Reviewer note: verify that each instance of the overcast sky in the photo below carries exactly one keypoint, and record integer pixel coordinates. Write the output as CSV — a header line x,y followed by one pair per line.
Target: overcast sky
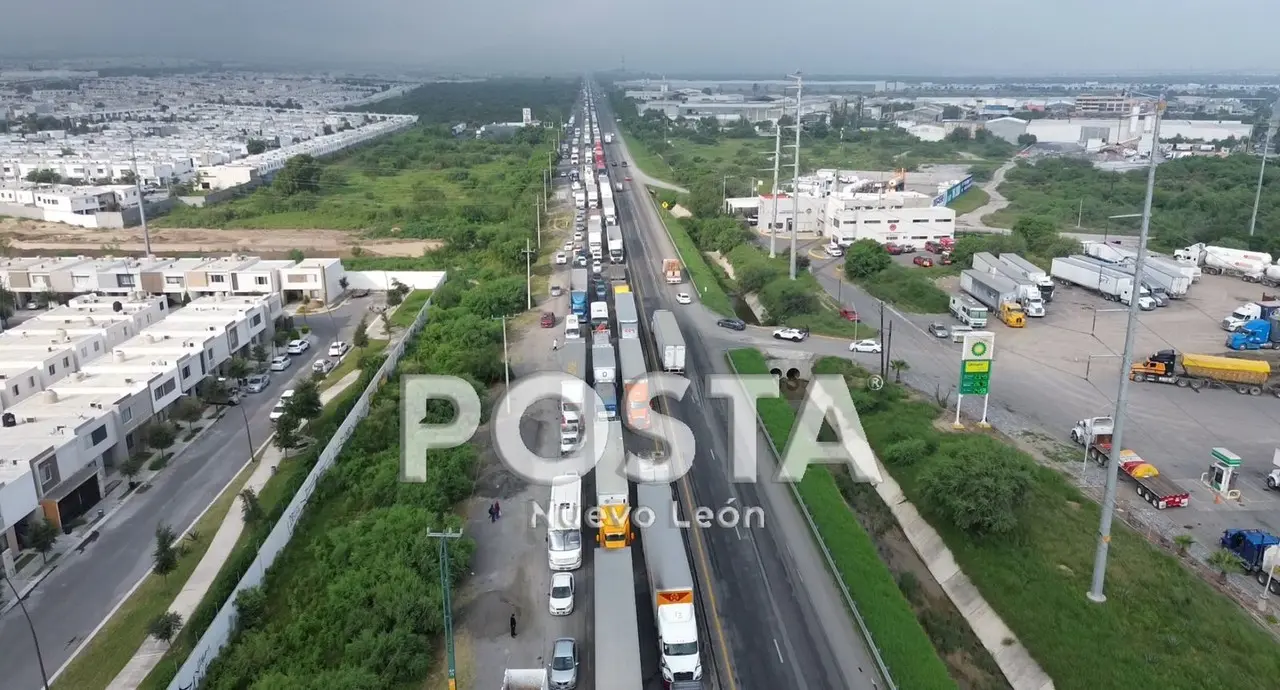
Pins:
x,y
915,37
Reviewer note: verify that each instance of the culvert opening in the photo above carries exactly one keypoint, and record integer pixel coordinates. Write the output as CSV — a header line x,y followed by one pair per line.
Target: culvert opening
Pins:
x,y
793,373
777,373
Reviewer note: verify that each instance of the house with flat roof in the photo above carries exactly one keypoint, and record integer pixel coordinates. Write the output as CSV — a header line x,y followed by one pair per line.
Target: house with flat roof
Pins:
x,y
315,280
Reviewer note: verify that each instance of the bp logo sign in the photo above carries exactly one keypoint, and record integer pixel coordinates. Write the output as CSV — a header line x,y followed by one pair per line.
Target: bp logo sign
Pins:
x,y
978,349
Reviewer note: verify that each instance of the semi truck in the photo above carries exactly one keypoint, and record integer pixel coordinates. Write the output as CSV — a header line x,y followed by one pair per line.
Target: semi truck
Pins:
x,y
673,272
998,293
1031,272
624,310
1251,547
1249,311
635,390
1076,271
608,138
579,197
612,494
1029,296
604,365
669,341
968,311
608,392
617,638
1256,334
599,315
1269,276
1157,282
579,281
670,587
593,196
595,238
1223,260
609,209
1244,376
616,252
1161,492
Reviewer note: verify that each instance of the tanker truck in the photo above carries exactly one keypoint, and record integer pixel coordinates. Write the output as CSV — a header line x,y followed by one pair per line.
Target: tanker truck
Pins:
x,y
1223,260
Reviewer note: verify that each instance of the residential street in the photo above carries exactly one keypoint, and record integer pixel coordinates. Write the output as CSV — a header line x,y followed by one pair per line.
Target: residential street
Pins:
x,y
85,587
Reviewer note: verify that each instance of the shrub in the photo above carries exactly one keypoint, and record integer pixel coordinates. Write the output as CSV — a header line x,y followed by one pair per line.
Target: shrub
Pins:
x,y
907,452
978,484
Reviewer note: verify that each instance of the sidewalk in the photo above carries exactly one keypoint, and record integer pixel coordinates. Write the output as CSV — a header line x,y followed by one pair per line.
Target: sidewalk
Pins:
x,y
115,494
224,540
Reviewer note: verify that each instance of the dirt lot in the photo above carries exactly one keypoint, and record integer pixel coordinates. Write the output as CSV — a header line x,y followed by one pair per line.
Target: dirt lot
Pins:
x,y
31,237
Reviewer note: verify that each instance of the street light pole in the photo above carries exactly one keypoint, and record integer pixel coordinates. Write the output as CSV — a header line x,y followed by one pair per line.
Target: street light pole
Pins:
x,y
142,202
528,273
44,676
1257,195
777,161
795,185
446,597
1122,396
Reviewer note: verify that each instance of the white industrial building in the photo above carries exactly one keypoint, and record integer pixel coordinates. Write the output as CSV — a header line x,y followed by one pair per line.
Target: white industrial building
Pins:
x,y
1133,131
76,389
845,217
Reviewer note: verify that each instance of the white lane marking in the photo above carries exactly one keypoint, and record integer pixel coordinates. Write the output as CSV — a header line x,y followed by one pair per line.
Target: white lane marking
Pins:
x,y
778,649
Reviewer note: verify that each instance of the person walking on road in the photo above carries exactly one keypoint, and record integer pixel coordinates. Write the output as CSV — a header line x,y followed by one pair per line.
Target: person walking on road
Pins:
x,y
497,511
513,625
555,343
493,514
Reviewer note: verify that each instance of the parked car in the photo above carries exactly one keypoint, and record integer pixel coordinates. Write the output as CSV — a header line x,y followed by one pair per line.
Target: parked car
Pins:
x,y
624,164
548,320
683,298
849,314
278,411
297,347
322,366
564,664
833,250
938,330
864,346
257,383
338,348
892,248
795,335
561,257
280,363
945,259
561,597
732,324
922,261
908,249
568,245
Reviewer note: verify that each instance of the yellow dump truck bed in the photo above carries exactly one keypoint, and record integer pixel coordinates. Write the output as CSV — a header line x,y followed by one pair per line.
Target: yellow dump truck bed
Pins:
x,y
1227,369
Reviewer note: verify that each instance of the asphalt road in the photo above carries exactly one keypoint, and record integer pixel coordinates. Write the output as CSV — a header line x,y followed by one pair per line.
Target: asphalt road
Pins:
x,y
770,607
84,588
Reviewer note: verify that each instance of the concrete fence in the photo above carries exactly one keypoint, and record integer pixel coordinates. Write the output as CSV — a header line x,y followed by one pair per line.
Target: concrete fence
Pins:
x,y
192,673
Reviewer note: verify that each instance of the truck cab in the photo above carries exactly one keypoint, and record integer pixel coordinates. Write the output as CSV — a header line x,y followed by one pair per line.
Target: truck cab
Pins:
x,y
1012,315
1090,430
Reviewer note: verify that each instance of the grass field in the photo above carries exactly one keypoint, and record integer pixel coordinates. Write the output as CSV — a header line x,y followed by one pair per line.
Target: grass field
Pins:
x,y
409,308
649,162
116,643
970,201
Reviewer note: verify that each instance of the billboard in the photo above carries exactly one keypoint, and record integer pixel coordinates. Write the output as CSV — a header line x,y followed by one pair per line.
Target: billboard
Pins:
x,y
954,192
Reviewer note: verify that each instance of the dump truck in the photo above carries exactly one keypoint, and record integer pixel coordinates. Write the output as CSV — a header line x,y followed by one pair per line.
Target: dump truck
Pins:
x,y
670,586
617,640
669,341
1244,376
1159,491
998,293
673,272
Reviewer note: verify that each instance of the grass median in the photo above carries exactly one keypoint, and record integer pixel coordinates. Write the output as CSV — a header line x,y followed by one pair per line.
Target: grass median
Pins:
x,y
903,643
409,308
126,630
700,273
352,361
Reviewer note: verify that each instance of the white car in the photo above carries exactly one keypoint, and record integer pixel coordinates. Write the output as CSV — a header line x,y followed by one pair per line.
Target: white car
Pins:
x,y
562,258
568,246
597,267
322,366
278,411
561,594
795,335
297,347
683,298
338,348
864,346
280,363
577,236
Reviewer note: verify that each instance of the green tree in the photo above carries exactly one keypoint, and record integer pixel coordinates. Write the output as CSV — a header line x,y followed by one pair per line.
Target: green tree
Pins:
x,y
899,366
287,436
705,200
131,467
164,556
1036,231
296,255
1224,562
1026,139
128,177
259,353
361,337
255,146
952,112
43,534
865,258
784,299
44,176
250,507
251,608
305,402
978,484
162,436
165,627
187,409
1183,542
299,174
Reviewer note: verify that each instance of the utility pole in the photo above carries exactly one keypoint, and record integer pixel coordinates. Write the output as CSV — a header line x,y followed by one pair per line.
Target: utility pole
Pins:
x,y
1122,395
777,161
1080,214
1257,195
506,357
142,204
528,271
537,214
44,676
795,185
446,596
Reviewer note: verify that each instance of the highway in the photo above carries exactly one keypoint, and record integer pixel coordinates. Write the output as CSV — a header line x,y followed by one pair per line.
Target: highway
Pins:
x,y
773,613
85,587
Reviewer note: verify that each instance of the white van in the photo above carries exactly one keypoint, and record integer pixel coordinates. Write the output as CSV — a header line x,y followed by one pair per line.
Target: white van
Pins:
x,y
572,328
958,333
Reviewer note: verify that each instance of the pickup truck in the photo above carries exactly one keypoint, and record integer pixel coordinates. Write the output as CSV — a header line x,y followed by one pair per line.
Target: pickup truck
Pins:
x,y
1161,492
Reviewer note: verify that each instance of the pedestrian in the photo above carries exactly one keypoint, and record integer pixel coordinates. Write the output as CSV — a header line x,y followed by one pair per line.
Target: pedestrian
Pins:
x,y
555,344
513,625
493,515
497,511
